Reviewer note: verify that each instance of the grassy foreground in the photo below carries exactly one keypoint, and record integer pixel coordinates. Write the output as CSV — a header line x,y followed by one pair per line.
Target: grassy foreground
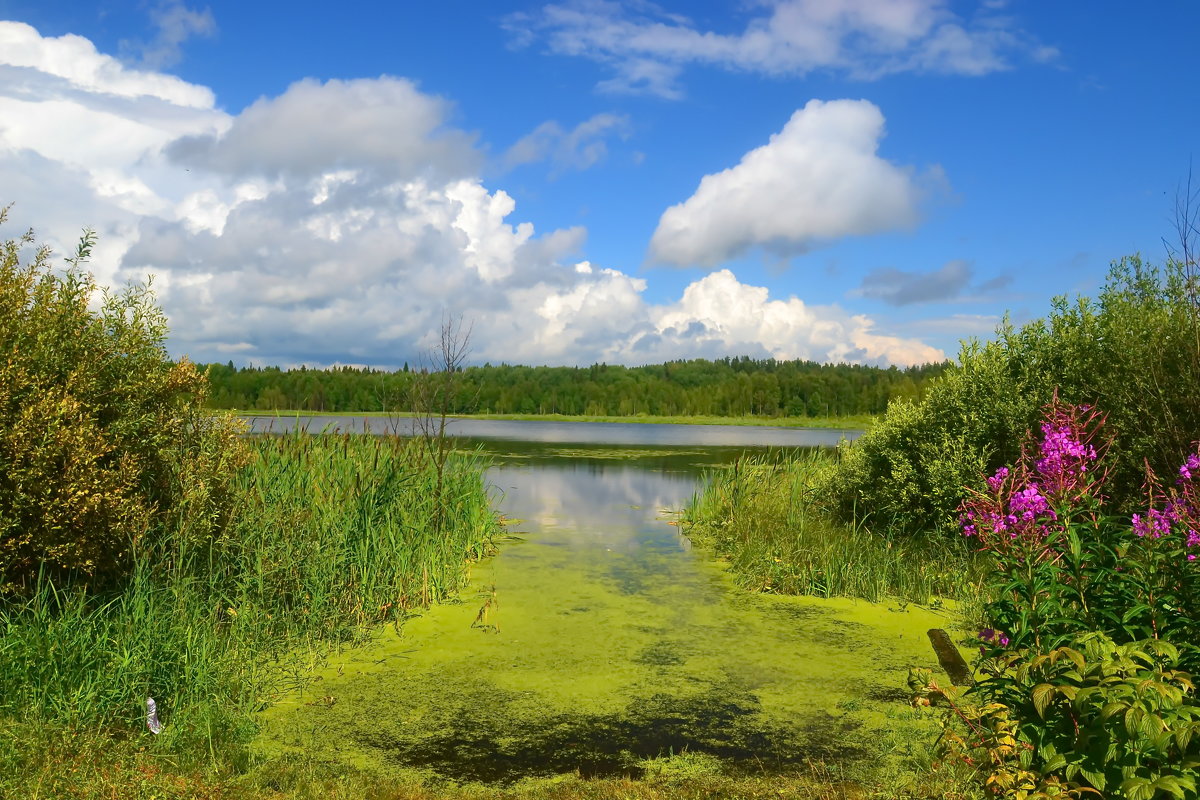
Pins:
x,y
63,764
851,422
332,535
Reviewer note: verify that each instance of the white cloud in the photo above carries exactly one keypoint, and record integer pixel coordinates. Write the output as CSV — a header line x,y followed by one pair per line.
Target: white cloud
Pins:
x,y
721,312
818,179
74,59
647,48
384,124
959,324
339,221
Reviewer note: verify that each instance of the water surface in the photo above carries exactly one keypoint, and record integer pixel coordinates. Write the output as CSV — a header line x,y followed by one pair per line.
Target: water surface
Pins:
x,y
600,638
610,433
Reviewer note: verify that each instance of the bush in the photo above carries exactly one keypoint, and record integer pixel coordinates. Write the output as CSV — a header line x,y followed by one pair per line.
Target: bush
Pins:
x,y
104,441
1087,671
1135,353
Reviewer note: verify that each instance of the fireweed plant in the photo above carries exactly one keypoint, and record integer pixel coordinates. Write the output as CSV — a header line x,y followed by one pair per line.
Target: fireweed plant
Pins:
x,y
1085,676
1062,566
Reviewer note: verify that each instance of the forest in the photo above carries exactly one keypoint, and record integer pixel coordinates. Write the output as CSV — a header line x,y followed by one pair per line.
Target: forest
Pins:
x,y
732,387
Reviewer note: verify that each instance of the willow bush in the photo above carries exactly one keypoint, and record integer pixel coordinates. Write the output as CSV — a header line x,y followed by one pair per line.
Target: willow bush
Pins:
x,y
104,440
1134,352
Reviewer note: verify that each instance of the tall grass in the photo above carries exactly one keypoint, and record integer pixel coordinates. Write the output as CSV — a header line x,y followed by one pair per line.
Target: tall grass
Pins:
x,y
332,534
763,517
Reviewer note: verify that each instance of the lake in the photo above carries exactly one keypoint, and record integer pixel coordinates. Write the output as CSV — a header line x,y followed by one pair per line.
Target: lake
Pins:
x,y
598,639
598,433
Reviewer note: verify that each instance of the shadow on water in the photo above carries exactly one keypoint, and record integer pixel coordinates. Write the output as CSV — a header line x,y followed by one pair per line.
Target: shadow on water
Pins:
x,y
496,748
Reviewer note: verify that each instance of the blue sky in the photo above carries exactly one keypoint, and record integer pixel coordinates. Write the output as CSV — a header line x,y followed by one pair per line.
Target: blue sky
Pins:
x,y
585,180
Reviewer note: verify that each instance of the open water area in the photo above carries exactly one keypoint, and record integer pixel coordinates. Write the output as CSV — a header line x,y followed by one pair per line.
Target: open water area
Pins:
x,y
597,637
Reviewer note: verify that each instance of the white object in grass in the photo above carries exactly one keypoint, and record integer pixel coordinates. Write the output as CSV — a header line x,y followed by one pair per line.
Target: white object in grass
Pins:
x,y
152,716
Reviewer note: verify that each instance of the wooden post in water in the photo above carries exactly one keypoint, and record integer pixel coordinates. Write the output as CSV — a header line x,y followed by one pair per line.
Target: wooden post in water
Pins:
x,y
949,657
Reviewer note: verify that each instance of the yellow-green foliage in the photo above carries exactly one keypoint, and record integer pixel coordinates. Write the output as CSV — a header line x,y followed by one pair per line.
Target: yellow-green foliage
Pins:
x,y
103,439
1091,718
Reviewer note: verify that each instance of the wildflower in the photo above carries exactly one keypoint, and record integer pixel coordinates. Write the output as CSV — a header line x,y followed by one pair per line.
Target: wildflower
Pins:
x,y
1065,452
996,481
1029,504
1155,524
1188,467
993,636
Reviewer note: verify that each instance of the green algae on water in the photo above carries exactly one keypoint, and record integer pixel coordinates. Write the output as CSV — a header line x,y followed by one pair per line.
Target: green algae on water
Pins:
x,y
608,645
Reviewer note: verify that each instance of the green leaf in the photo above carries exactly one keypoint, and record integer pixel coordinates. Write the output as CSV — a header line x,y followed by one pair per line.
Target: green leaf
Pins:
x,y
1133,720
1140,608
1076,657
1137,788
1168,783
1057,762
1042,695
1096,779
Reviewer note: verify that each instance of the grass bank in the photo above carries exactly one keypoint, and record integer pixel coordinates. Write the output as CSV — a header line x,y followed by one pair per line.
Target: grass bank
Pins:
x,y
851,422
763,517
333,535
61,764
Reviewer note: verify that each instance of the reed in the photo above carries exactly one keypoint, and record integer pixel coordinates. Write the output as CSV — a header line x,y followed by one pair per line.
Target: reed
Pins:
x,y
761,515
333,535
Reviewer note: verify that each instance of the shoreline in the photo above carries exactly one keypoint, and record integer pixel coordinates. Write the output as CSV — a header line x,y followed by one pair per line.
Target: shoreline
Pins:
x,y
852,422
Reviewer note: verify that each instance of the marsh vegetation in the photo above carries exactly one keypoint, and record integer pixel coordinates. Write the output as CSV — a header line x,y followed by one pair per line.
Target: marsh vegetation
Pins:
x,y
330,615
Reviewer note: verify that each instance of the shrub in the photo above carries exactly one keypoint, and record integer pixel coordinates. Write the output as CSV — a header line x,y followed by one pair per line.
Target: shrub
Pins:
x,y
1088,718
1135,353
104,441
1086,675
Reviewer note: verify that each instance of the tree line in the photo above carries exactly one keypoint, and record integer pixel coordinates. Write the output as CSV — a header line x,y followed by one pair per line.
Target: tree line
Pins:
x,y
725,387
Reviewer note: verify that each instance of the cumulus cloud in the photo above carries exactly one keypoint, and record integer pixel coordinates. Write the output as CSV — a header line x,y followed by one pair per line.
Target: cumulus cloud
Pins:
x,y
75,60
818,179
582,147
385,125
273,243
720,311
646,48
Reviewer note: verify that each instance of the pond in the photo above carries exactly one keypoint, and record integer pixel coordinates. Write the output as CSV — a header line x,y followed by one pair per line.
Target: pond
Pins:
x,y
597,638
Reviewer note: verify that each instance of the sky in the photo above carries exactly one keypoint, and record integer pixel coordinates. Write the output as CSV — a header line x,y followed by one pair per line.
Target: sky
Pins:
x,y
583,181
